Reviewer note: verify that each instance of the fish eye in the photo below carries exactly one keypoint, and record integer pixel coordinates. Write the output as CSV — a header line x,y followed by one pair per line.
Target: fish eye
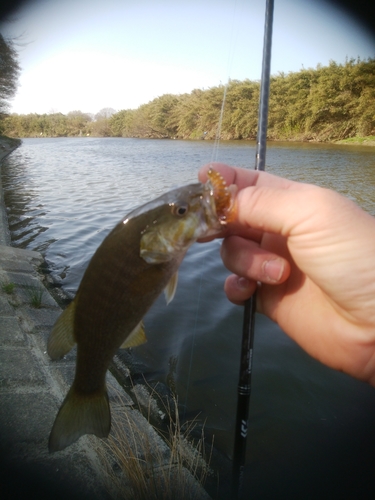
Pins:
x,y
180,210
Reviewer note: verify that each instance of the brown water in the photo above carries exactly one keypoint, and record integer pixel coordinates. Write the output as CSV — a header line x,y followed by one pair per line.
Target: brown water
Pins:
x,y
312,430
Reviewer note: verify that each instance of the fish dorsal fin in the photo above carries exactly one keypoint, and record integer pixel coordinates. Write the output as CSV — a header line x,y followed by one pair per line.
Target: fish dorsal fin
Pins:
x,y
171,288
61,339
137,337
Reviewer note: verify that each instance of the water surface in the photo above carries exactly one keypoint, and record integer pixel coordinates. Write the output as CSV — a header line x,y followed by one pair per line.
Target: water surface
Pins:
x,y
312,430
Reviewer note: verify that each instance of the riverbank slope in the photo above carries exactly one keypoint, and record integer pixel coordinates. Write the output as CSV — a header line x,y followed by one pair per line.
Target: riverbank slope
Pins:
x,y
7,145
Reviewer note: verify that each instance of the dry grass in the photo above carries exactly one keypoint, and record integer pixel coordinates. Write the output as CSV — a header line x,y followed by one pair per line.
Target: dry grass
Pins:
x,y
141,465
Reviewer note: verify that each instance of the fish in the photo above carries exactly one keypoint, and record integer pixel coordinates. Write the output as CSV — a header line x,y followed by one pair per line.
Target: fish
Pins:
x,y
136,261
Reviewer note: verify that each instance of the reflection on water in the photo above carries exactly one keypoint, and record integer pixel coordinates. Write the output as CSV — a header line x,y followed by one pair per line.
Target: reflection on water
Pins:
x,y
308,424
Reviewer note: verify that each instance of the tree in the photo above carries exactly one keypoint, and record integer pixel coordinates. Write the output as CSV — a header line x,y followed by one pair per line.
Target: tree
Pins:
x,y
79,123
105,113
9,73
159,113
122,123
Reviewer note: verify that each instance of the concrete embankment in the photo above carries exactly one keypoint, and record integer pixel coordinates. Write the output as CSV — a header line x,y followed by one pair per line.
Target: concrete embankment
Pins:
x,y
32,388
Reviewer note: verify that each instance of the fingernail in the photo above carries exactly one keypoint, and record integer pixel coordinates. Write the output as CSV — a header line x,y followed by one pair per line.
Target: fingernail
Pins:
x,y
243,283
273,269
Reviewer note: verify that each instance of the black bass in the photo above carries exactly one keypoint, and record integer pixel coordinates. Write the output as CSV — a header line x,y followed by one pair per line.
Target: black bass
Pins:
x,y
134,264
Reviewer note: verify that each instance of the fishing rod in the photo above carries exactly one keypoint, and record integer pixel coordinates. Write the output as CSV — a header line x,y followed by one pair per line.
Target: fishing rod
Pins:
x,y
246,359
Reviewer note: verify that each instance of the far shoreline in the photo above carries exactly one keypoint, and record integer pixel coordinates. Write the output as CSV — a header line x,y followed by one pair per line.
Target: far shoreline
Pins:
x,y
351,141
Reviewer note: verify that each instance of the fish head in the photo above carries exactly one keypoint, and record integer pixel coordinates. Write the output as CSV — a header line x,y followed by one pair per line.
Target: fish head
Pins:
x,y
180,217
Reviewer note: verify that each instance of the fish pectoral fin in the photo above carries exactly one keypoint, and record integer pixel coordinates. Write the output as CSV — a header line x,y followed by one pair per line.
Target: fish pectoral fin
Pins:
x,y
79,415
61,339
137,337
170,289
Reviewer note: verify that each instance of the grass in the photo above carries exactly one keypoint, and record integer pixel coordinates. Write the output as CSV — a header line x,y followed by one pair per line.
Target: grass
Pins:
x,y
367,141
35,295
34,292
8,287
143,463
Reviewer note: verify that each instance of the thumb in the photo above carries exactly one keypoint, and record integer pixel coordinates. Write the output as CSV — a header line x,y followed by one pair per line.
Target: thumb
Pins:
x,y
274,210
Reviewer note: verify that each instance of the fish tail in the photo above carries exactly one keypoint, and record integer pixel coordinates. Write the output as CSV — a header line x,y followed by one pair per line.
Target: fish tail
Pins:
x,y
79,415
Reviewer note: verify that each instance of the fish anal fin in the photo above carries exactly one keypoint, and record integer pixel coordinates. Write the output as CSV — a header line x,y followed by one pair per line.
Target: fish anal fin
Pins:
x,y
171,288
137,337
79,415
61,339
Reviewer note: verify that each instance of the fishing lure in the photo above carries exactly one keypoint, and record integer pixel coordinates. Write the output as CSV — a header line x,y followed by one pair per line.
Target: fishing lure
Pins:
x,y
223,195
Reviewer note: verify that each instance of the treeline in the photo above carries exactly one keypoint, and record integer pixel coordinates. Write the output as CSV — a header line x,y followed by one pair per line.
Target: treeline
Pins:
x,y
9,73
75,123
324,104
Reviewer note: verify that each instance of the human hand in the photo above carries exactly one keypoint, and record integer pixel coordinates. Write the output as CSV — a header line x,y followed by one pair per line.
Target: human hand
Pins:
x,y
313,252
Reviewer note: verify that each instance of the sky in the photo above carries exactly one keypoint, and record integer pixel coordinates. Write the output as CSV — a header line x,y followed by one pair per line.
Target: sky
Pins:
x,y
91,54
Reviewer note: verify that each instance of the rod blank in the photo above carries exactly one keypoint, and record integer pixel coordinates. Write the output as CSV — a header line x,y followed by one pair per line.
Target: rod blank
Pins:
x,y
244,384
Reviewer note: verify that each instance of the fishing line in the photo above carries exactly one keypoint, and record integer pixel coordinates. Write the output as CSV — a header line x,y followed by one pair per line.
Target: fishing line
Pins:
x,y
232,43
215,150
193,344
214,157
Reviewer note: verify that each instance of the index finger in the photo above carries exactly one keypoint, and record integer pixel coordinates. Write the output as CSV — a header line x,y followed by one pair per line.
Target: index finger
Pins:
x,y
243,178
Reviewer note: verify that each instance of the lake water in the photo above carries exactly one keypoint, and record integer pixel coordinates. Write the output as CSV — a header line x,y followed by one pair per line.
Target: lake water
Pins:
x,y
312,430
